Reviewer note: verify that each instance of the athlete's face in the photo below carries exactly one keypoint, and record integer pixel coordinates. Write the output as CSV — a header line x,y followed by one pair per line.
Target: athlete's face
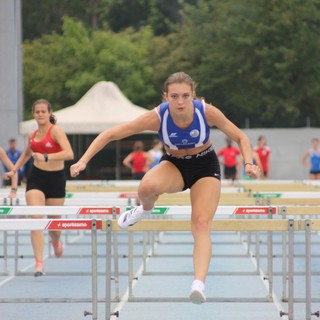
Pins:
x,y
179,96
41,113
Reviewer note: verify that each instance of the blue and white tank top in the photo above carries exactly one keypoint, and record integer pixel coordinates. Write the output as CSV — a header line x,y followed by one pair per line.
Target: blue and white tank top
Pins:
x,y
314,160
196,135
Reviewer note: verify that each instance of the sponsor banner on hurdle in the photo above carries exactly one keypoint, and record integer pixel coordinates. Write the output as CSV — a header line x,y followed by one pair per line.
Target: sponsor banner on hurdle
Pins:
x,y
267,195
57,210
103,195
288,195
99,210
221,210
255,210
50,224
72,224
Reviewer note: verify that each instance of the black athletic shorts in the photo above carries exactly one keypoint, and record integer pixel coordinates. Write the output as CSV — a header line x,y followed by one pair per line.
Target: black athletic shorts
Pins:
x,y
193,168
230,172
51,183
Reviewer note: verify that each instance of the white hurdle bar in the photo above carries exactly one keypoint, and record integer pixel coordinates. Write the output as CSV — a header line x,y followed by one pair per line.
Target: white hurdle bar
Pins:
x,y
288,194
93,199
57,210
158,210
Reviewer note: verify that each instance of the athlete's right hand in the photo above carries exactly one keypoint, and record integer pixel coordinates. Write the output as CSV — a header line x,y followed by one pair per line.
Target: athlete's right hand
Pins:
x,y
77,167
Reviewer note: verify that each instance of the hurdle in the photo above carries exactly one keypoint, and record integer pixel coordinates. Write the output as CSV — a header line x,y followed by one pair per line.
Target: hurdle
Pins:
x,y
287,197
99,207
294,211
110,226
62,224
238,211
122,199
61,210
217,225
290,210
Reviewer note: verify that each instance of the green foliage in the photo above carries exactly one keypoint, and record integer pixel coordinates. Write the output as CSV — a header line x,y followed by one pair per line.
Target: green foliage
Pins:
x,y
259,59
61,68
45,17
256,60
161,15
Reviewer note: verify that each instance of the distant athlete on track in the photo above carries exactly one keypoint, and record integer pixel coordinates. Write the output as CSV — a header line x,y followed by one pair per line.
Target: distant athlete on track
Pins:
x,y
183,124
311,159
49,147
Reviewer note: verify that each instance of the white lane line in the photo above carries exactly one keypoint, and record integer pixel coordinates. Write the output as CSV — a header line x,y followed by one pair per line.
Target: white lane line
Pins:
x,y
125,297
275,299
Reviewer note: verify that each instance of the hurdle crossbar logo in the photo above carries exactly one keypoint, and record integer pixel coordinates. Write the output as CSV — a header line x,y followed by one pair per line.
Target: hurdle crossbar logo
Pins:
x,y
267,195
128,195
72,224
95,210
5,210
254,210
156,210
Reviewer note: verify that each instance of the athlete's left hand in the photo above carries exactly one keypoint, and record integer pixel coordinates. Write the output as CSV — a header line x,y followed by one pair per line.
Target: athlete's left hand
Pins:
x,y
253,171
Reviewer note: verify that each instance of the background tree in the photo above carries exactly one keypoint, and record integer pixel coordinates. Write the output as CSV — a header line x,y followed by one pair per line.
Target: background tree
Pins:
x,y
63,67
256,60
45,17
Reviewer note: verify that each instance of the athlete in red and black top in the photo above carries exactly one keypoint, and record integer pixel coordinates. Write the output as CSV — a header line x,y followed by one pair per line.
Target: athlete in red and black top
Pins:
x,y
49,147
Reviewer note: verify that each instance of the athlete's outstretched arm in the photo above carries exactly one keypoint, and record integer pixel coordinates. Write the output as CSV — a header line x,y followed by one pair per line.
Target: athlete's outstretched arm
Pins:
x,y
147,121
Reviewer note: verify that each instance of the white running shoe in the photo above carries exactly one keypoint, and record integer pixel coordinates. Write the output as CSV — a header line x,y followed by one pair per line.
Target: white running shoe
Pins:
x,y
196,294
131,217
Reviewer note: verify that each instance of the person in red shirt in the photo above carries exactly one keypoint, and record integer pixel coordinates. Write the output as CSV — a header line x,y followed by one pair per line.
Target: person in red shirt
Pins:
x,y
264,153
138,161
49,147
230,155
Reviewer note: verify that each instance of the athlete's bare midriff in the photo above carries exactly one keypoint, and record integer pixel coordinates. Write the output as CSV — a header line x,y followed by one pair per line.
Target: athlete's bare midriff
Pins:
x,y
188,152
53,165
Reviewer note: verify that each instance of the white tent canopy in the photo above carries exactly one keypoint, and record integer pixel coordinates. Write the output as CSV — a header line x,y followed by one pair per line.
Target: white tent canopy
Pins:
x,y
102,107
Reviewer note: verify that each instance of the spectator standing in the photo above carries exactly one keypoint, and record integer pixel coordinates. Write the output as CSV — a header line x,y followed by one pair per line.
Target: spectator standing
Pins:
x,y
264,153
230,155
13,154
14,177
138,160
311,159
156,152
